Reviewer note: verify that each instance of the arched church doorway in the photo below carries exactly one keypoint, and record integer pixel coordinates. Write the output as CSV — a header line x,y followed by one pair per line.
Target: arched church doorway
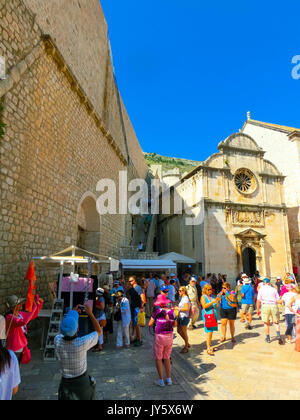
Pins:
x,y
249,261
88,225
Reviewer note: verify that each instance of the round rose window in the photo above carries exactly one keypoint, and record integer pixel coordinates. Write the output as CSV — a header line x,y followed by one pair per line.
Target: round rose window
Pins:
x,y
245,181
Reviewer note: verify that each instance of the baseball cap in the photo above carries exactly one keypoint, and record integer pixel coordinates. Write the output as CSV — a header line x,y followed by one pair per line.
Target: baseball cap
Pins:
x,y
117,282
266,280
172,275
164,288
193,279
246,280
2,328
99,291
69,324
244,276
13,301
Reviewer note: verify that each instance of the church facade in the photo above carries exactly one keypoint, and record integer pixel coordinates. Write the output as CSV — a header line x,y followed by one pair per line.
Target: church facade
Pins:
x,y
282,146
245,224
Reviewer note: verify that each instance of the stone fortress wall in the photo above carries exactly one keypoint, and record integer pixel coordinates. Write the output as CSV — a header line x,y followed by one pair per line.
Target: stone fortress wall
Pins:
x,y
64,132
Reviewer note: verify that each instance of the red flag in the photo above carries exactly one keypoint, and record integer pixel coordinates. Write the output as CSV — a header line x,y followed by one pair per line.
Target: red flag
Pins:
x,y
30,275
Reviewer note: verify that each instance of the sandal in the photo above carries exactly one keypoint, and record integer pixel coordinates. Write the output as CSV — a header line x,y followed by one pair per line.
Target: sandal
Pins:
x,y
210,352
184,350
97,349
222,340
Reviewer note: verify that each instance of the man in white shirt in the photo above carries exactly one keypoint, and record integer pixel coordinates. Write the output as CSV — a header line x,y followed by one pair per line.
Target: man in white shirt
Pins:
x,y
71,351
268,300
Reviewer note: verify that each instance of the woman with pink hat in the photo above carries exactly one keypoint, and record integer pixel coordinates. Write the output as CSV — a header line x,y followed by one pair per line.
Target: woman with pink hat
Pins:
x,y
164,320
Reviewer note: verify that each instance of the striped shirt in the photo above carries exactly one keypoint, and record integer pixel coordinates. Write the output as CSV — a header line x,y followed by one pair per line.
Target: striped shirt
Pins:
x,y
73,354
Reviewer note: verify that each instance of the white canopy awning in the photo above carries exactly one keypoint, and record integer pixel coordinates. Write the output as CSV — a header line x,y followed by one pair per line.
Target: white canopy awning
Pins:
x,y
148,265
177,258
75,255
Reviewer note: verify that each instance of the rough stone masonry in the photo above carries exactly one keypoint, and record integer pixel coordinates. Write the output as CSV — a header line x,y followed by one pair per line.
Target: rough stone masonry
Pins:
x,y
66,128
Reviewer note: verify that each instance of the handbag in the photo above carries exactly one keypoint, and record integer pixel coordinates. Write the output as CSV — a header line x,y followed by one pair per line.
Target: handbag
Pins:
x,y
210,320
26,356
141,319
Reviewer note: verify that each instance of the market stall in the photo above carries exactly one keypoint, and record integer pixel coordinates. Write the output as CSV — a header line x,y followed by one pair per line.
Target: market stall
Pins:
x,y
77,283
132,267
183,263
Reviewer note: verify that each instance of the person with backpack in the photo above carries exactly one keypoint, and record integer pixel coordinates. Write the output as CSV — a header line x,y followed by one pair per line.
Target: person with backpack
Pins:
x,y
228,311
184,316
137,304
164,320
100,317
122,316
248,299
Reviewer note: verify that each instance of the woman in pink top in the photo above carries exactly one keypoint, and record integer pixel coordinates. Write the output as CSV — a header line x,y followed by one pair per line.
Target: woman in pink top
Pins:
x,y
294,307
285,288
164,320
16,326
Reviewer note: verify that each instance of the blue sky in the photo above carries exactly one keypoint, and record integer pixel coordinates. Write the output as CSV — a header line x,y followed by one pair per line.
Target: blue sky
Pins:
x,y
189,71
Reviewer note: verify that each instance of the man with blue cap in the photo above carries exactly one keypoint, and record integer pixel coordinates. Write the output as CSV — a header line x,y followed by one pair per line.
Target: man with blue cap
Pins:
x,y
268,300
72,351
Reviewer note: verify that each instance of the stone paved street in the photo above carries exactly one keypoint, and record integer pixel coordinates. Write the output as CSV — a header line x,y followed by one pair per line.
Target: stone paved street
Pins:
x,y
251,369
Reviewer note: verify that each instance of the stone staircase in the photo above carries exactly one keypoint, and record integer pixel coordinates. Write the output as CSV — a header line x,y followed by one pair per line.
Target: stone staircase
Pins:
x,y
132,253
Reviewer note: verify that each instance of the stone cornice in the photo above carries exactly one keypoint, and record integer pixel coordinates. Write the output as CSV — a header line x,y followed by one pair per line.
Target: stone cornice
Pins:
x,y
48,45
226,147
239,206
53,51
294,135
266,175
16,72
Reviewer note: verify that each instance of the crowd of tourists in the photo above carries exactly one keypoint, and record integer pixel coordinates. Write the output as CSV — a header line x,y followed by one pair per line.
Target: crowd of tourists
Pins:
x,y
169,303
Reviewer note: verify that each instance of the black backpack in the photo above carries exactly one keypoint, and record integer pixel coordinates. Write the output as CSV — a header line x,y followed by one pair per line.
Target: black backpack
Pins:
x,y
118,315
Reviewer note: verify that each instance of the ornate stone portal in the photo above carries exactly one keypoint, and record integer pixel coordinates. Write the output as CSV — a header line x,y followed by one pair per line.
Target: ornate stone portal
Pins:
x,y
251,239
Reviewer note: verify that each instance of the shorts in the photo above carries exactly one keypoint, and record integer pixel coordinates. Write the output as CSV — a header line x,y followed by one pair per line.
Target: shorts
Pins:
x,y
247,308
163,346
134,316
230,314
184,322
270,311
